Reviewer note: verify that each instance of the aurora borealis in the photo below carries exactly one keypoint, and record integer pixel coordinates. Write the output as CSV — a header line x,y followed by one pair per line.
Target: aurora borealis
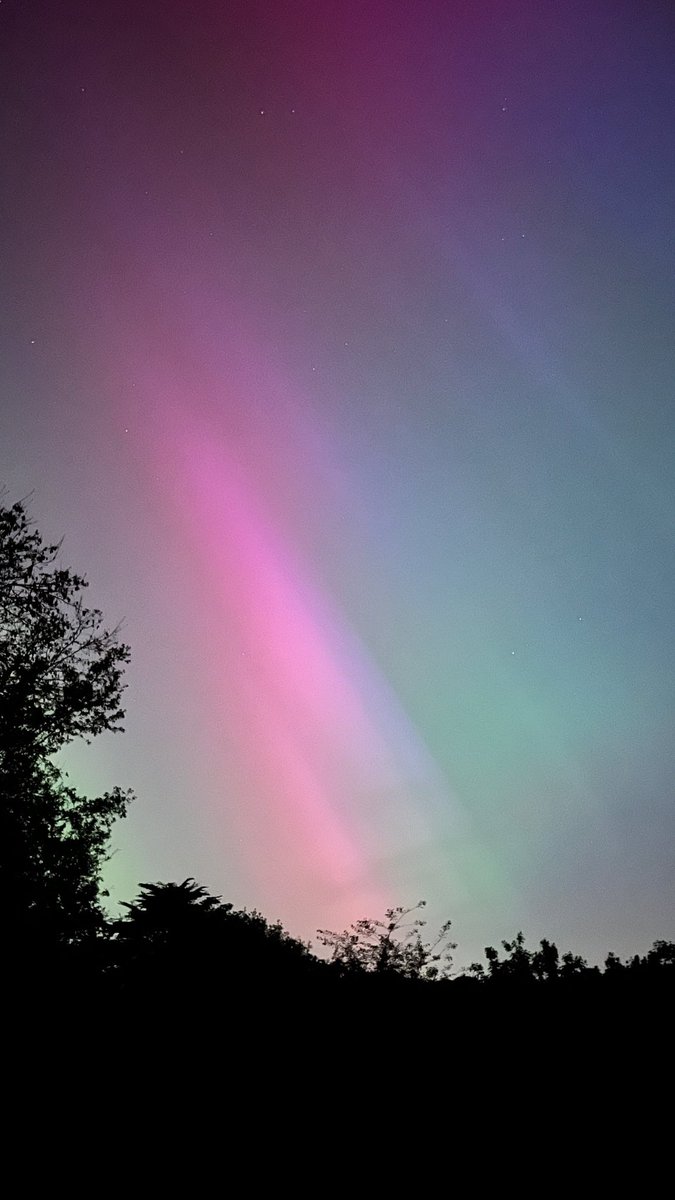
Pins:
x,y
337,342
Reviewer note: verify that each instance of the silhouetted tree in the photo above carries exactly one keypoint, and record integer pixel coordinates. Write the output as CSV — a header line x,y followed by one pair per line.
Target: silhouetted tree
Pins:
x,y
178,939
662,957
517,966
545,961
393,947
657,965
60,678
164,910
522,966
574,967
613,964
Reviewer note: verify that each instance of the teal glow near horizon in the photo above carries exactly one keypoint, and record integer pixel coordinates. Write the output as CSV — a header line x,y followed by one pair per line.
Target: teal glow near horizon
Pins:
x,y
339,347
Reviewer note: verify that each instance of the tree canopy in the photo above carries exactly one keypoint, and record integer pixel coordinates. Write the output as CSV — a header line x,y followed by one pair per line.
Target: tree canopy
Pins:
x,y
392,947
178,939
60,679
60,669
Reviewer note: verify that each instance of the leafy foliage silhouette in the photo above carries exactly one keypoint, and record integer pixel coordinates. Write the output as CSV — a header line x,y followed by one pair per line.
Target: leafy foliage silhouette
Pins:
x,y
60,670
393,947
178,936
60,679
522,966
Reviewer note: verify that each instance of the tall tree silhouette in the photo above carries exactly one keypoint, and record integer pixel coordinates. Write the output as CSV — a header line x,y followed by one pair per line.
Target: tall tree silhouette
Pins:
x,y
60,679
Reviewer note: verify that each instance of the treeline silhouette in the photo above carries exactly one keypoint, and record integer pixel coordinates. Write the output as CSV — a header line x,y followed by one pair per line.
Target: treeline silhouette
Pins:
x,y
176,947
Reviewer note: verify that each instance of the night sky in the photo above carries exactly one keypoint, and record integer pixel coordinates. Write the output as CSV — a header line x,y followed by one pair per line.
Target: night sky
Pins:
x,y
337,340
